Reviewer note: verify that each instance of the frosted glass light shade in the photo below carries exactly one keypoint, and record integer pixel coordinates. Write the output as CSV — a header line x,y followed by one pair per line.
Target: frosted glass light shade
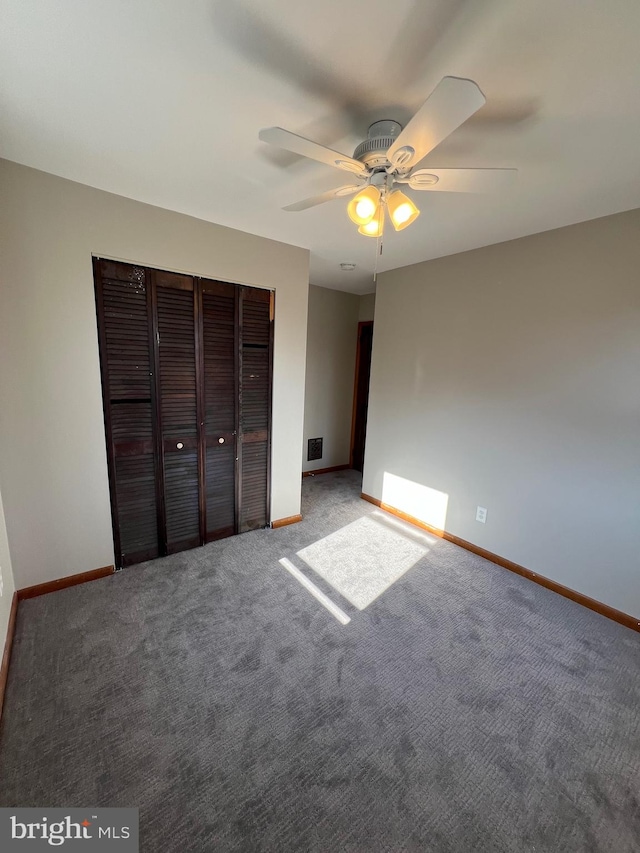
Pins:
x,y
402,210
363,207
373,228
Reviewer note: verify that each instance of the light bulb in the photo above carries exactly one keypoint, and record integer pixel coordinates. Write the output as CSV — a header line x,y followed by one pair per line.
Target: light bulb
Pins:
x,y
373,228
402,213
362,208
401,210
365,208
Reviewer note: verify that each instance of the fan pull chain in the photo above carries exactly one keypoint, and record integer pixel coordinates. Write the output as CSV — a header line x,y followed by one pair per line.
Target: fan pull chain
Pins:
x,y
378,241
378,253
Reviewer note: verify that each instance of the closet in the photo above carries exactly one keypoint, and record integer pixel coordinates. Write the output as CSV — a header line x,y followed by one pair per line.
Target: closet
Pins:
x,y
186,367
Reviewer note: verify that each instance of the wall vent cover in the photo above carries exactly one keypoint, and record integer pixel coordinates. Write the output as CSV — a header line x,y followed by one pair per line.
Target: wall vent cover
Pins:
x,y
314,449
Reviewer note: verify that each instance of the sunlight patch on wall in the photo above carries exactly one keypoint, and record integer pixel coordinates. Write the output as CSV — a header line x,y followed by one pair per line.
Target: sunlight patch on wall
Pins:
x,y
363,559
425,504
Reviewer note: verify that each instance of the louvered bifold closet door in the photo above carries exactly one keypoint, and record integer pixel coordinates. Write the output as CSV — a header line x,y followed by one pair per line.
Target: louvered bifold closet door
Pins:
x,y
123,303
186,375
220,380
178,409
256,312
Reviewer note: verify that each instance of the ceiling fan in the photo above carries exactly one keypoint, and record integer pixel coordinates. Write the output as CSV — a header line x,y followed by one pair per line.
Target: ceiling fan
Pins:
x,y
389,156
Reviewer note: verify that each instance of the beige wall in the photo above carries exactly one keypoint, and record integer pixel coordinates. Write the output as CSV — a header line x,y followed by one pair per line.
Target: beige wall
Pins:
x,y
509,377
332,333
52,447
7,586
367,307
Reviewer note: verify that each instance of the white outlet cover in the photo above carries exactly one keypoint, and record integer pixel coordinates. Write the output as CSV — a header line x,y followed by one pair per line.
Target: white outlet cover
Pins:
x,y
481,514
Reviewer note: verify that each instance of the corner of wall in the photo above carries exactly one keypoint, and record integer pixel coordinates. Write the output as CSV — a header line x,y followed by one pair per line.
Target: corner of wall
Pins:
x,y
367,307
332,331
7,585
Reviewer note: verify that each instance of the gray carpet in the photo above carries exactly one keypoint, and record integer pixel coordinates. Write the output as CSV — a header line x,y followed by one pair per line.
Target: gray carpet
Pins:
x,y
462,709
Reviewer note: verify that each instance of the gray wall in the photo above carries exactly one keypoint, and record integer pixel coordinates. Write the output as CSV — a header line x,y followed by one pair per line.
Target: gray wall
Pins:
x,y
367,307
509,377
332,331
52,448
7,586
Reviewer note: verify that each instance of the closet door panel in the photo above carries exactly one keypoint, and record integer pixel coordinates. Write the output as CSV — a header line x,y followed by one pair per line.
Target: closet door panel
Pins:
x,y
255,406
256,315
255,391
177,408
136,496
135,474
181,500
254,485
220,491
122,302
219,337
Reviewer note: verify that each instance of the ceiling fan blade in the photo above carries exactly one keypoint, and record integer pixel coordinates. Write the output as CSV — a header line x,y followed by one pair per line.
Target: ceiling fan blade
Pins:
x,y
447,107
306,203
461,180
325,130
299,145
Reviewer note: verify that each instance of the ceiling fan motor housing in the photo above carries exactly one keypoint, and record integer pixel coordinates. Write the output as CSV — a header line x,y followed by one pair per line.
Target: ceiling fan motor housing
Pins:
x,y
380,137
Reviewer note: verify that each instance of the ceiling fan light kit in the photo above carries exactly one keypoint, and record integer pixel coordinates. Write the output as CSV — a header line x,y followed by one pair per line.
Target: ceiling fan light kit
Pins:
x,y
402,212
389,156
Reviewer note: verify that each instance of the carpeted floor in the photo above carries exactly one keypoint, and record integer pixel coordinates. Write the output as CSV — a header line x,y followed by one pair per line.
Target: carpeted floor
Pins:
x,y
461,709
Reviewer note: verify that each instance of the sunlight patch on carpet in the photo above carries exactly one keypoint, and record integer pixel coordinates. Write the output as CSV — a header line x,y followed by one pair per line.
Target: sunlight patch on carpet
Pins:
x,y
363,559
324,600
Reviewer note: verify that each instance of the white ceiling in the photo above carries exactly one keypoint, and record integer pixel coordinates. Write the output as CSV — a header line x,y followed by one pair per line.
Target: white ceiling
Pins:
x,y
162,101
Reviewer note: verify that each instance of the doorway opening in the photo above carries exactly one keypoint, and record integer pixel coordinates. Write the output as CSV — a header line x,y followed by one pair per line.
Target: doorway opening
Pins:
x,y
361,394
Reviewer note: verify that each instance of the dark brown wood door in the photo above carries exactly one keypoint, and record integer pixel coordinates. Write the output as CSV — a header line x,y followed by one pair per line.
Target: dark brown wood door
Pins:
x,y
361,394
178,413
220,378
123,297
256,332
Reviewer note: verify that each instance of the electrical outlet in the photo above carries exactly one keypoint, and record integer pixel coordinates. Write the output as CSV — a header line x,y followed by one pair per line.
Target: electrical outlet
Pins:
x,y
481,514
